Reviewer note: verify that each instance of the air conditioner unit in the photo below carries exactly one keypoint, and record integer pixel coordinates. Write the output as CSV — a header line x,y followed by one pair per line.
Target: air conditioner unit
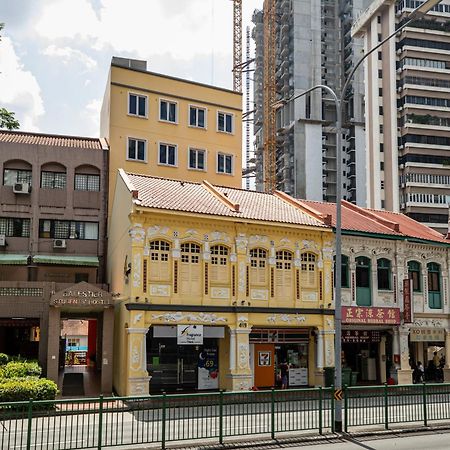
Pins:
x,y
2,240
59,243
21,188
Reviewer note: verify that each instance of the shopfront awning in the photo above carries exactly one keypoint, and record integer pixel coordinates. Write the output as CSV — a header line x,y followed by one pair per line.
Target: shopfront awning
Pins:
x,y
67,260
13,259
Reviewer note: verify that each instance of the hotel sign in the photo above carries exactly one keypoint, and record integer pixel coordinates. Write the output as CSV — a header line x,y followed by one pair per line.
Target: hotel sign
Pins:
x,y
82,294
190,334
370,315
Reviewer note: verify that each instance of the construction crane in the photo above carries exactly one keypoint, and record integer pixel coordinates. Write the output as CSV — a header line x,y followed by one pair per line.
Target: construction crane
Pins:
x,y
269,86
237,45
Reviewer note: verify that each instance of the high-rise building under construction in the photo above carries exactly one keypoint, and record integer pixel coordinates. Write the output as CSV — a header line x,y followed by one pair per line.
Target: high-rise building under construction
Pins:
x,y
311,44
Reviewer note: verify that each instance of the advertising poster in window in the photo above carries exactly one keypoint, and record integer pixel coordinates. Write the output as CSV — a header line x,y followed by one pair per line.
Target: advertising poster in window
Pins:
x,y
208,369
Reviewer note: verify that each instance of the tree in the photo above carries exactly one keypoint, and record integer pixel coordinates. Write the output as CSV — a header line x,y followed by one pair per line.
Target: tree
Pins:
x,y
7,119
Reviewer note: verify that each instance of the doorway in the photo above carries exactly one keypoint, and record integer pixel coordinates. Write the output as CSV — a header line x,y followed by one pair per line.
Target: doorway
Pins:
x,y
175,368
264,365
79,373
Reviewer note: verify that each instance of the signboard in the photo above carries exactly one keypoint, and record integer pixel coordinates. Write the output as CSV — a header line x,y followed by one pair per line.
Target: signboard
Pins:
x,y
407,308
190,334
264,358
298,377
370,315
427,335
208,369
81,294
360,336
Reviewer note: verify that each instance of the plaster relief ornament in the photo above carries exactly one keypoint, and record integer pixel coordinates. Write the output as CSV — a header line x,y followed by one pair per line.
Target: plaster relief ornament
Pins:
x,y
309,245
242,319
191,233
285,242
241,242
157,230
429,323
257,239
137,270
328,355
137,234
243,356
219,236
137,318
286,318
178,316
329,322
242,276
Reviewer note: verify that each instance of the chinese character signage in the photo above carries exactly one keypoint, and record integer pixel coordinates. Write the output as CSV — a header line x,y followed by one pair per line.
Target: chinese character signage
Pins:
x,y
407,310
360,336
427,335
370,315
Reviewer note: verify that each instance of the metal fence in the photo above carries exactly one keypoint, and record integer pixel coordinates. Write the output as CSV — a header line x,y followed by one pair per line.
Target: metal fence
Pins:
x,y
159,419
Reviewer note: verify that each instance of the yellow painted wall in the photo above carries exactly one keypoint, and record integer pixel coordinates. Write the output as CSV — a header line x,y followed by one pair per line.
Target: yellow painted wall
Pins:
x,y
146,226
117,125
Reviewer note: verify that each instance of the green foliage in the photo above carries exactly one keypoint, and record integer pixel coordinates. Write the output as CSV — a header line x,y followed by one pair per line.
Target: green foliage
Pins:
x,y
7,120
4,358
18,390
15,369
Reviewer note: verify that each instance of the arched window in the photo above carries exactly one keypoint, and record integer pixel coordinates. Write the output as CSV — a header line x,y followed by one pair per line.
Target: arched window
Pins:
x,y
308,270
220,273
434,285
159,267
258,266
16,171
363,290
53,176
284,279
87,178
190,269
414,275
384,274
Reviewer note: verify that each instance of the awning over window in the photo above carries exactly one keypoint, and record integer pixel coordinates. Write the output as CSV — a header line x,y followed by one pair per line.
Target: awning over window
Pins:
x,y
67,260
13,259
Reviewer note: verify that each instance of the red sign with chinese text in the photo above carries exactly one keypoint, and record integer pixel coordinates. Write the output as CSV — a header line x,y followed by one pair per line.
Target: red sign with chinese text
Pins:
x,y
371,315
407,310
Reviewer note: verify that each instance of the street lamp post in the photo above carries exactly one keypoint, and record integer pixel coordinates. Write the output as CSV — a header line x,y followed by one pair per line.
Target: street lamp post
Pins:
x,y
417,13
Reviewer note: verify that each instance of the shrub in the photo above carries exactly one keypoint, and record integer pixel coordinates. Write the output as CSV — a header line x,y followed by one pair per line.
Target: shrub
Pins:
x,y
3,359
14,390
20,369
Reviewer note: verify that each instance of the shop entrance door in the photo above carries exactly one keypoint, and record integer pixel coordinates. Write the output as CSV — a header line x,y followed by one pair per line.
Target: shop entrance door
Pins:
x,y
187,367
264,365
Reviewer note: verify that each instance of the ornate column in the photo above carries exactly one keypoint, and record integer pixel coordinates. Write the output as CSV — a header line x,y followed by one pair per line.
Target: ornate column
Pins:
x,y
137,379
447,356
137,234
319,350
404,374
241,375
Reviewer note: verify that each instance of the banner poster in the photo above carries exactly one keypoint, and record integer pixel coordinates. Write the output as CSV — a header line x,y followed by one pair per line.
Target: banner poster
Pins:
x,y
208,369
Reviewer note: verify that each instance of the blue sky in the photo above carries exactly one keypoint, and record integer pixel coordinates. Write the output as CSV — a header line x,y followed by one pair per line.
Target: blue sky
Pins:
x,y
55,54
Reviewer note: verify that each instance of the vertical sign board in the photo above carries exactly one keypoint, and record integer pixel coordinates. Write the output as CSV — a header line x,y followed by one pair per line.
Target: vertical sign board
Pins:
x,y
407,300
208,369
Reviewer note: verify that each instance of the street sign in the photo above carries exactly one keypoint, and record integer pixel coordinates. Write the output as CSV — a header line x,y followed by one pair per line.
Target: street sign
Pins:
x,y
338,394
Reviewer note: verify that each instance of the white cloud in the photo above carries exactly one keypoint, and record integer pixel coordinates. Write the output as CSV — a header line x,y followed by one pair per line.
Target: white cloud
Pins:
x,y
144,28
68,55
19,89
92,114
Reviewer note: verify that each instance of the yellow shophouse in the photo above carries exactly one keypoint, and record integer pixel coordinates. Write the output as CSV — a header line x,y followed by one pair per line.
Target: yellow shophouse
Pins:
x,y
216,287
165,126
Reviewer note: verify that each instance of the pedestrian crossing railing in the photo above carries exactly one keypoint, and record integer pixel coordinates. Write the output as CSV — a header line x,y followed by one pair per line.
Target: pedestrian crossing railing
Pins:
x,y
215,417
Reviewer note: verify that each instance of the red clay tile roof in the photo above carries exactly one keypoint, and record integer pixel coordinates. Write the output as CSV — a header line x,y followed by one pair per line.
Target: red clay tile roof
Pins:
x,y
162,193
21,137
378,222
